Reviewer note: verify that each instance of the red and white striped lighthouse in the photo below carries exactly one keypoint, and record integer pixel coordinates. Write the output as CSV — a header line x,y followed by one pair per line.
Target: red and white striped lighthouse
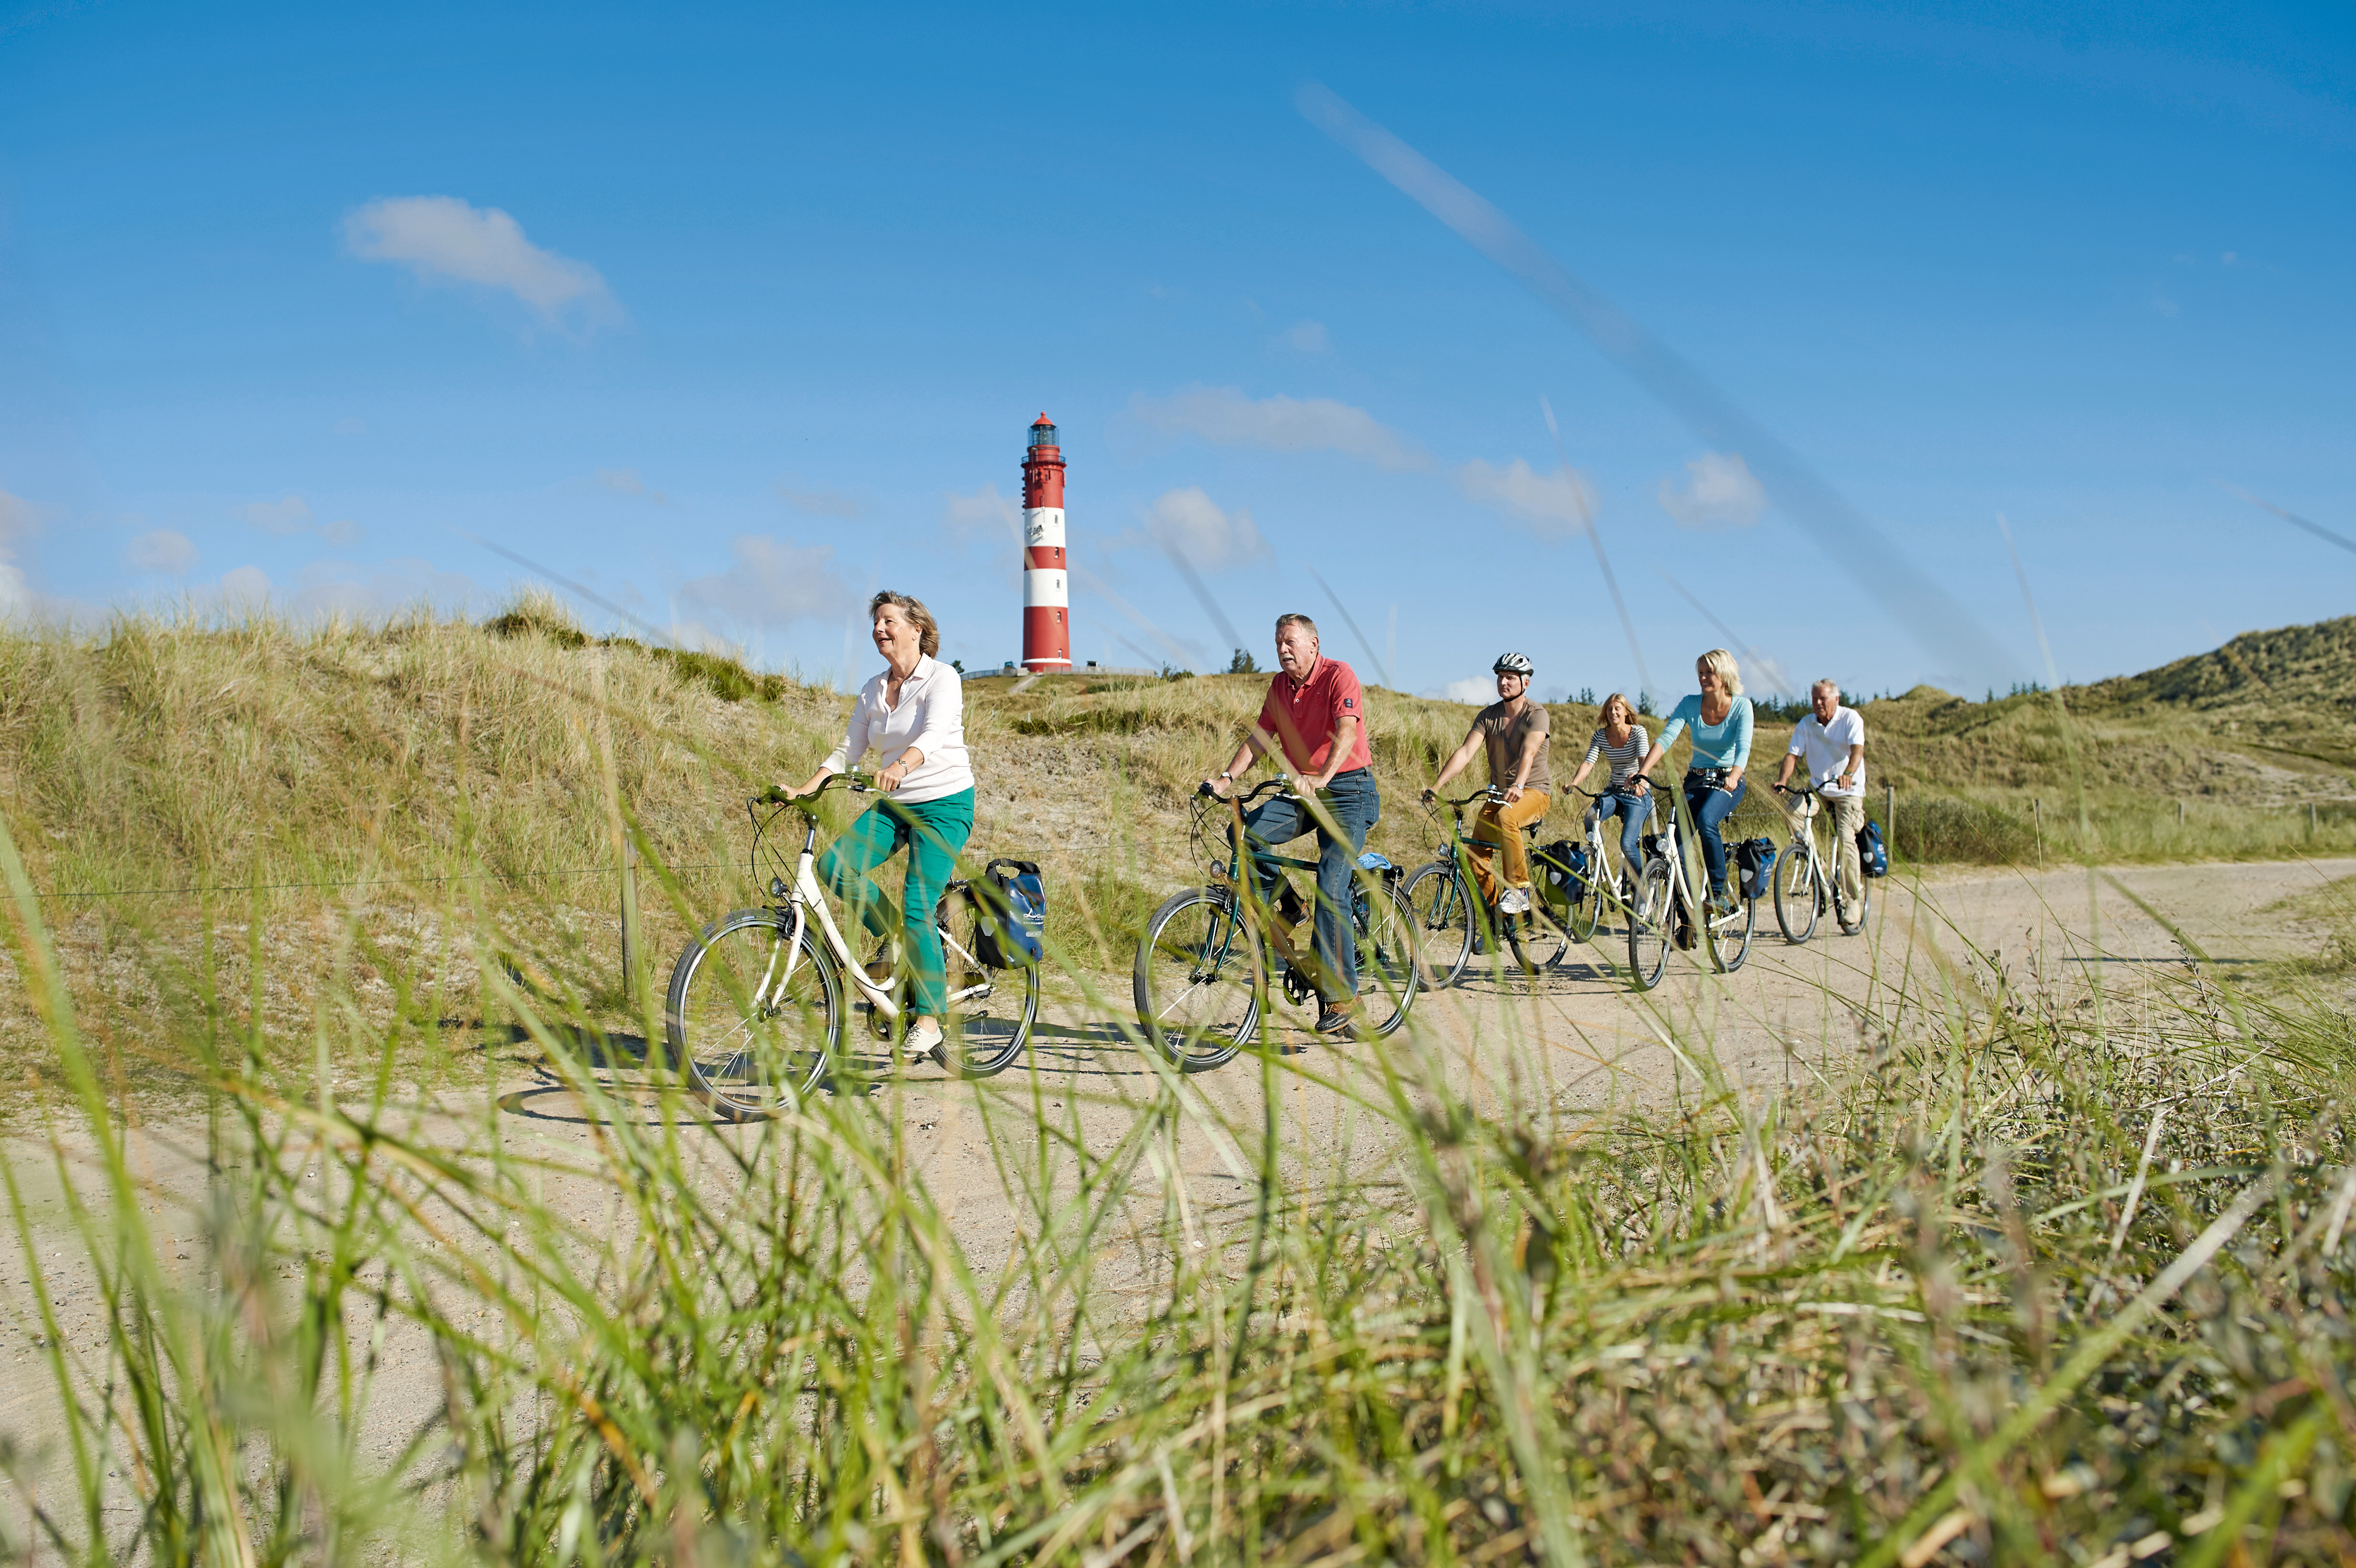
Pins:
x,y
1046,600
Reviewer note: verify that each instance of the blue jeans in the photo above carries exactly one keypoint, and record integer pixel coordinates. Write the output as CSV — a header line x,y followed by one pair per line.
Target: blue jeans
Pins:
x,y
1354,806
1710,806
1633,811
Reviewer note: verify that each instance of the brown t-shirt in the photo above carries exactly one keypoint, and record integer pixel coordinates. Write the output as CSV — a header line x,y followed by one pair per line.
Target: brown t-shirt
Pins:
x,y
1506,738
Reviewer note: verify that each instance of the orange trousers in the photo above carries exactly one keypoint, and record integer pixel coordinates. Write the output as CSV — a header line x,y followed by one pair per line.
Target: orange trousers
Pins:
x,y
1499,827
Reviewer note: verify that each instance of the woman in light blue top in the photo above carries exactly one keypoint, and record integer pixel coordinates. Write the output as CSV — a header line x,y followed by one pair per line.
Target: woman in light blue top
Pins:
x,y
1719,717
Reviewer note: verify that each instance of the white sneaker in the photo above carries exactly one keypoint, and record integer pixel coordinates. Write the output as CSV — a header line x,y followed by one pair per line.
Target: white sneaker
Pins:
x,y
1513,901
925,1038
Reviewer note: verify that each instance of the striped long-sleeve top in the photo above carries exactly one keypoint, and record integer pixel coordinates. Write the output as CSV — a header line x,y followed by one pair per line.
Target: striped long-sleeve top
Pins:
x,y
1623,757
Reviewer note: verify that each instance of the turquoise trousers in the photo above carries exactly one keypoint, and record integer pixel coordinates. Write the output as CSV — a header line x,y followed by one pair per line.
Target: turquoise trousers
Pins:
x,y
932,832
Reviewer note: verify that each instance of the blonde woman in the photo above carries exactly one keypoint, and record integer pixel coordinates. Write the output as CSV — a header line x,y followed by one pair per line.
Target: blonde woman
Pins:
x,y
1719,717
913,717
1619,743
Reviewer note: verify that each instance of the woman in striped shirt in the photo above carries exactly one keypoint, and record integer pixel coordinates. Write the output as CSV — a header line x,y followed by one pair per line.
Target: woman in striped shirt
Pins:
x,y
1620,742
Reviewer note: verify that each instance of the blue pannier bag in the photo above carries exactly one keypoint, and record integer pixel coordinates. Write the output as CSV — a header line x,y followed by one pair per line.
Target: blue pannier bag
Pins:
x,y
1010,915
1873,856
1757,859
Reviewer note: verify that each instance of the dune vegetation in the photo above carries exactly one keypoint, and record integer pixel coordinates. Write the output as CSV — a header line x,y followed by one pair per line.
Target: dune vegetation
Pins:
x,y
2023,1273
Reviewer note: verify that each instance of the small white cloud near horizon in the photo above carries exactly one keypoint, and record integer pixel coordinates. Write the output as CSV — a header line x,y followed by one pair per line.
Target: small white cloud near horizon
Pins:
x,y
1720,492
1224,416
1479,690
770,583
1307,337
626,482
244,587
1210,538
16,523
162,550
285,518
278,518
821,502
442,239
1555,505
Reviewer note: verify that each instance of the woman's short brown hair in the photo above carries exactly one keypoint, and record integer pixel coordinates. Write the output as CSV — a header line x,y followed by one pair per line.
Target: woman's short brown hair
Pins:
x,y
929,630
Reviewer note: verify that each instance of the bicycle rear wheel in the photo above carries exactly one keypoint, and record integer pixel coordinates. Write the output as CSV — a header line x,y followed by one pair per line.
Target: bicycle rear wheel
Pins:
x,y
752,1017
1538,942
990,1011
1442,913
1389,974
1798,903
1728,937
1586,911
1650,923
1194,981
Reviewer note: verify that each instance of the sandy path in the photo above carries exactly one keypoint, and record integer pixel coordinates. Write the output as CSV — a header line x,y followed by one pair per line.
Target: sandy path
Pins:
x,y
1576,1043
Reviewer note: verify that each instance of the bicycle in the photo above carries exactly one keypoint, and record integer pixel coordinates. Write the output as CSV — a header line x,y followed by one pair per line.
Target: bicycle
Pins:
x,y
1803,883
1585,913
755,1014
1664,914
1453,920
1206,957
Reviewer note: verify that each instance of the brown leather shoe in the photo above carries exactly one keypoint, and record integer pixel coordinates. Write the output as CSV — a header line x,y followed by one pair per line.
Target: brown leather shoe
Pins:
x,y
1338,1020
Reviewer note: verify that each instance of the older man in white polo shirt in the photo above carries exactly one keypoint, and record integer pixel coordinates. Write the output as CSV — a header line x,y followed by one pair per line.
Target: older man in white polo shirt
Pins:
x,y
1832,740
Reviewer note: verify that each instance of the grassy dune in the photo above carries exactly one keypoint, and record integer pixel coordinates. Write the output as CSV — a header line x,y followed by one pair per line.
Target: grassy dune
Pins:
x,y
2031,1279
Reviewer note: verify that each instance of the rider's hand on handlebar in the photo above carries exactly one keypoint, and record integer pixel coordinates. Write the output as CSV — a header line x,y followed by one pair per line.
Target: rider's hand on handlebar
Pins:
x,y
1430,796
1218,788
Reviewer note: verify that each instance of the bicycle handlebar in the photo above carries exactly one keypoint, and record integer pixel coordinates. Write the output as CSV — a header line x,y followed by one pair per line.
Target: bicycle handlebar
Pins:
x,y
854,780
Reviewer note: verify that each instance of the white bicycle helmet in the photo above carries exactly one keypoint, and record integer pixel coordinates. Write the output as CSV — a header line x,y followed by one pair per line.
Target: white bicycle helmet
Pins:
x,y
1513,664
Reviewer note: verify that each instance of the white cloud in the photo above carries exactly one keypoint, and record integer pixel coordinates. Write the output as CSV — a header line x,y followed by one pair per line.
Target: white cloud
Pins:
x,y
821,503
245,587
1720,492
986,514
1479,689
442,239
16,523
373,592
1306,338
284,518
1556,505
626,482
770,583
1210,539
1225,417
278,518
162,550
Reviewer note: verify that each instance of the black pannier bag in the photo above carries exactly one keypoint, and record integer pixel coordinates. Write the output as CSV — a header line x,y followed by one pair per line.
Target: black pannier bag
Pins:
x,y
1561,868
1757,859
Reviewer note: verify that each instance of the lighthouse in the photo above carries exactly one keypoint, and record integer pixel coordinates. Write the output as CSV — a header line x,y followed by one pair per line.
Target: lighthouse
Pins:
x,y
1046,600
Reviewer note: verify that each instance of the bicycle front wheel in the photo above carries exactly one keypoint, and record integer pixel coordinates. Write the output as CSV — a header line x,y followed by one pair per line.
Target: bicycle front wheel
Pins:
x,y
1195,990
1796,904
1728,937
1586,911
1538,942
1651,922
1389,972
1443,917
990,1011
753,1017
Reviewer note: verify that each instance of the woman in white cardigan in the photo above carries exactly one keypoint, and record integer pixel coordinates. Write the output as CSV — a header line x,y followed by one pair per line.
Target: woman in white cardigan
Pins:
x,y
913,717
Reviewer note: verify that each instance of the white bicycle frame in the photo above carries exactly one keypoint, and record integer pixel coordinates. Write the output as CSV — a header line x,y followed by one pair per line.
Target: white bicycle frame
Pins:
x,y
1596,878
1810,807
807,895
1673,849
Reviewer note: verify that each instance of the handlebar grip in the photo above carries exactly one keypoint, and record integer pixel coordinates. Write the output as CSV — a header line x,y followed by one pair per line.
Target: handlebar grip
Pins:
x,y
772,796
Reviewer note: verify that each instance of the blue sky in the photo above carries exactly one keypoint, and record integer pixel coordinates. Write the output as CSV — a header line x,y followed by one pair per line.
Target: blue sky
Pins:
x,y
734,318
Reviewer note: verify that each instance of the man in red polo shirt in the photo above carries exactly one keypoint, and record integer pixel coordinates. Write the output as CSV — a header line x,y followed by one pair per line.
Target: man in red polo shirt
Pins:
x,y
1317,713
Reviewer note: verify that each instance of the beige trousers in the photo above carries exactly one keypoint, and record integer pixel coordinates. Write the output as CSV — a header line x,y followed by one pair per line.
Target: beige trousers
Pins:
x,y
1499,827
1848,818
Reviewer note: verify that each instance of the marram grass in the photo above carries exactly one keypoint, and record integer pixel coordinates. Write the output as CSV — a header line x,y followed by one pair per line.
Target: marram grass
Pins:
x,y
2027,1273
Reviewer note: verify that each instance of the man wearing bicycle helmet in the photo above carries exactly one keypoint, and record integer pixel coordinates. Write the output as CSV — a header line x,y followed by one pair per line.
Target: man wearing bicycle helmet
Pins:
x,y
1513,730
1316,712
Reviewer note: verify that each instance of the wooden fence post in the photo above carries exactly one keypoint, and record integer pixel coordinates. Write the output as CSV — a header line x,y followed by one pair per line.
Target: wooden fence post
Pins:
x,y
1890,817
630,919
